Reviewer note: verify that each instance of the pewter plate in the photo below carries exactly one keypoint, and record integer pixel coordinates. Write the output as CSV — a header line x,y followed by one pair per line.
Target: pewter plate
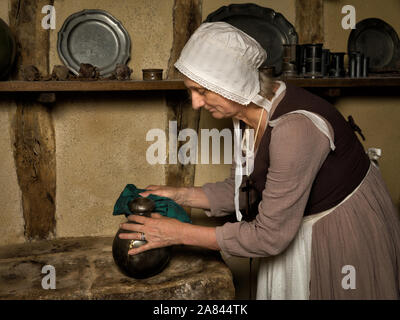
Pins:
x,y
268,27
378,41
95,37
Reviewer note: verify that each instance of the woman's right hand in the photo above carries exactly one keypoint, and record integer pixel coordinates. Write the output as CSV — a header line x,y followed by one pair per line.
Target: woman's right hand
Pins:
x,y
162,191
193,197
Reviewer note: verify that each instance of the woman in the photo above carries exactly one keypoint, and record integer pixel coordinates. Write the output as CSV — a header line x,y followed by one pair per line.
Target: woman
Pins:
x,y
308,201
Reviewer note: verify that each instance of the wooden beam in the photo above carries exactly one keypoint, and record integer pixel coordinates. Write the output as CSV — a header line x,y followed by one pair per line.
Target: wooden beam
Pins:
x,y
187,16
33,129
310,21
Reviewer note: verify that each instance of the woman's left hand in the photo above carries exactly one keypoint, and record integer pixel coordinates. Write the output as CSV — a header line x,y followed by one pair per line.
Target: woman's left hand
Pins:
x,y
159,231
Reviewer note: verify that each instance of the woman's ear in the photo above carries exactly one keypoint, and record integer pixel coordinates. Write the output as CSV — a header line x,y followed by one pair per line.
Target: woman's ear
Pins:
x,y
266,86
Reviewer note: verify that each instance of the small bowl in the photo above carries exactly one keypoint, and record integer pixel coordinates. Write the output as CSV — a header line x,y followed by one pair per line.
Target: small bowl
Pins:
x,y
152,74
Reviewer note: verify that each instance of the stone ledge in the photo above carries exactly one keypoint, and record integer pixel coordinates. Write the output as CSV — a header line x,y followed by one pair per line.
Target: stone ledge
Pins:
x,y
85,269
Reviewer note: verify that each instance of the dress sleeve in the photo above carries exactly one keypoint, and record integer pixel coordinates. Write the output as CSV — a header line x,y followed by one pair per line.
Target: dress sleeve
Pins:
x,y
297,151
221,196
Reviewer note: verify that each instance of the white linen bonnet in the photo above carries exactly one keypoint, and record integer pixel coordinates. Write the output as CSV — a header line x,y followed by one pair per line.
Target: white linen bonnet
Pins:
x,y
225,60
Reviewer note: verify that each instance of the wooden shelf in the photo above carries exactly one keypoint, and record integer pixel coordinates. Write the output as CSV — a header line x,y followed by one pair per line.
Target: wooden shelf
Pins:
x,y
346,82
74,86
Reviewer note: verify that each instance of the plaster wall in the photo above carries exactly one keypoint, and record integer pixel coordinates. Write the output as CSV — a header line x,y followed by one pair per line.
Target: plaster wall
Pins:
x,y
336,37
11,219
101,147
149,24
11,215
4,8
101,138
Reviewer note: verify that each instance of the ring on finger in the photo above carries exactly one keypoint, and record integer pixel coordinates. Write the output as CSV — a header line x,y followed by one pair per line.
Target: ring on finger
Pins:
x,y
142,236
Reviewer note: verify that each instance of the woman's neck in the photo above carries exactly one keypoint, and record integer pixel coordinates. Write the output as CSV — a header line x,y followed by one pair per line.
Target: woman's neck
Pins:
x,y
250,114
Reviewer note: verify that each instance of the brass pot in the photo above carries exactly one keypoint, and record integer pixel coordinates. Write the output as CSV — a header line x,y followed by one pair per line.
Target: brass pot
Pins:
x,y
145,264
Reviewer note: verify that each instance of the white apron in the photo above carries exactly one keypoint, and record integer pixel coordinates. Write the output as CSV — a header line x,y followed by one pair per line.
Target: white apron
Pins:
x,y
287,276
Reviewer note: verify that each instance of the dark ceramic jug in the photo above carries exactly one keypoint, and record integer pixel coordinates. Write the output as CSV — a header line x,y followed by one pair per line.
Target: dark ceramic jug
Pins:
x,y
145,264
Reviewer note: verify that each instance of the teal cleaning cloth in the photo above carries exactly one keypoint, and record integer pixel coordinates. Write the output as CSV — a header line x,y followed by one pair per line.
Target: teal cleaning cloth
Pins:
x,y
164,206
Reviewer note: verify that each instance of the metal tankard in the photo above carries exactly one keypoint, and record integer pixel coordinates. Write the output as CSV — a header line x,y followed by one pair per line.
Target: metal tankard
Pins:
x,y
144,264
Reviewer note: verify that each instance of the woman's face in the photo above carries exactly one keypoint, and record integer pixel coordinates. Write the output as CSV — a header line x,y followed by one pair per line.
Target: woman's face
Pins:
x,y
218,106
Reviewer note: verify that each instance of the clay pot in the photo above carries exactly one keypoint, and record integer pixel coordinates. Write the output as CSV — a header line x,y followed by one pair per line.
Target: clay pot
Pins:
x,y
152,74
145,264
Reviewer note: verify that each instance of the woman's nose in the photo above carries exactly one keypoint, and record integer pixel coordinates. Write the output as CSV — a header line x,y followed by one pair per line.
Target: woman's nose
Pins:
x,y
197,101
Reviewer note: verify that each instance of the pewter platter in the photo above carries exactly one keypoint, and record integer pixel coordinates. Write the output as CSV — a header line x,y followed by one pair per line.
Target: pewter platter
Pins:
x,y
378,41
95,37
269,28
